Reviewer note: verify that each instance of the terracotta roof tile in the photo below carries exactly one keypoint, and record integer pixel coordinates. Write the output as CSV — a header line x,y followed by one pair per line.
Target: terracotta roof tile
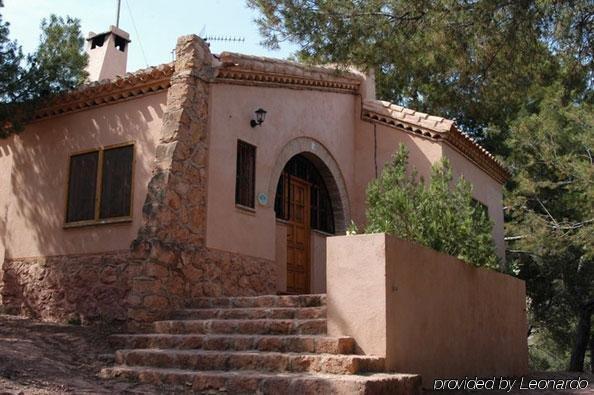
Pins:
x,y
438,128
151,79
408,115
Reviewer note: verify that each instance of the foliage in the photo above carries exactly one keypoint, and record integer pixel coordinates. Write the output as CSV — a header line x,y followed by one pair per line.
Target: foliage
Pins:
x,y
11,57
352,229
473,61
518,76
551,212
57,65
545,354
436,215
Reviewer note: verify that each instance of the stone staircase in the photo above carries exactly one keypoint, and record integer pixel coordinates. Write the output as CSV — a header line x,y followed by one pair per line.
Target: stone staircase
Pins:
x,y
245,345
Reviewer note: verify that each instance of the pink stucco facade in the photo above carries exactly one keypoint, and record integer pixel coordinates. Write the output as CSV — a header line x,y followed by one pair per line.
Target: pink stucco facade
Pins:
x,y
309,110
35,211
424,311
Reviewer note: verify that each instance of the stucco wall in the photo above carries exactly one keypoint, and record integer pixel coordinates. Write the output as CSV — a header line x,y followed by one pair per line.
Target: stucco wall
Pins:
x,y
374,152
325,117
6,155
426,312
281,256
318,262
40,174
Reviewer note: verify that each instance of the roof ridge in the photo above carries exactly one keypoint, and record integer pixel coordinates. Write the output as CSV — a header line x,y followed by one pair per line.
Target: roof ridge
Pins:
x,y
284,65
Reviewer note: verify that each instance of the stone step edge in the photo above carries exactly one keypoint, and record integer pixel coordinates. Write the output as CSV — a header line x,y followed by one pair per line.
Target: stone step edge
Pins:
x,y
254,381
119,340
251,353
260,301
255,308
242,320
325,362
234,336
249,313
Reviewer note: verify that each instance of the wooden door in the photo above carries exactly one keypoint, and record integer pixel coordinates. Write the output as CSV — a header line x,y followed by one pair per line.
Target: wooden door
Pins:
x,y
298,237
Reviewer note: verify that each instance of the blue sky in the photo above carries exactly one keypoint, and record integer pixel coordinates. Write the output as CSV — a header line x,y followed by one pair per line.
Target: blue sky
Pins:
x,y
158,24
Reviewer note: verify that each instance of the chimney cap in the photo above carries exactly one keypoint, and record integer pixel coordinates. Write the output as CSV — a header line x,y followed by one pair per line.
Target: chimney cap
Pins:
x,y
112,30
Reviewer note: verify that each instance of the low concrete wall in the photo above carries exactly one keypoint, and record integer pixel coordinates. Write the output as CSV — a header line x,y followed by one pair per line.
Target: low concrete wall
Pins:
x,y
426,312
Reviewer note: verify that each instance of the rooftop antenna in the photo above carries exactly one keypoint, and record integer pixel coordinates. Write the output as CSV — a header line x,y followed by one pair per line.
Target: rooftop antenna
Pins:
x,y
224,38
118,14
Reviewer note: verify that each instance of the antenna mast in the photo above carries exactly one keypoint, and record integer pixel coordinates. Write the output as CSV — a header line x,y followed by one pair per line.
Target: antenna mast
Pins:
x,y
118,14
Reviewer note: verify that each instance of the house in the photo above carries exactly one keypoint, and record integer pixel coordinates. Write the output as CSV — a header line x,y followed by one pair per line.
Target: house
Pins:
x,y
211,176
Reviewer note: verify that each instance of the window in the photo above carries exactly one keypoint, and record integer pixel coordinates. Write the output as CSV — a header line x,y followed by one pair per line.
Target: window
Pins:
x,y
100,186
245,175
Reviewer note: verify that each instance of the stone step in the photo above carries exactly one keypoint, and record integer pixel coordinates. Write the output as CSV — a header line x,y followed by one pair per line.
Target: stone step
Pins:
x,y
312,300
245,360
247,382
279,343
252,313
243,327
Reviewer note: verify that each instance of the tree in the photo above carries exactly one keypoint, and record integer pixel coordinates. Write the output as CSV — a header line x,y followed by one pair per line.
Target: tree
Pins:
x,y
493,66
551,213
57,65
11,57
434,214
473,61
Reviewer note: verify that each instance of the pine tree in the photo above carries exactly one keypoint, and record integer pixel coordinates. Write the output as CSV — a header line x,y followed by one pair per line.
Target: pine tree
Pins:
x,y
551,217
57,65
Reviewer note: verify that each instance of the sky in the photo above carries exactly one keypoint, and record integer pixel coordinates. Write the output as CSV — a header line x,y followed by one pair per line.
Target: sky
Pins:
x,y
154,25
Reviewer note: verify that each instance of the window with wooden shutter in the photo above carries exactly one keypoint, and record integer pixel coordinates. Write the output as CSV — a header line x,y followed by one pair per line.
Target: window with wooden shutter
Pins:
x,y
245,175
116,184
82,187
100,186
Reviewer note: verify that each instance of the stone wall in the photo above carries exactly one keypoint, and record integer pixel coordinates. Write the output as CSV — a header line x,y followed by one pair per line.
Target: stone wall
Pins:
x,y
168,263
210,272
83,288
171,243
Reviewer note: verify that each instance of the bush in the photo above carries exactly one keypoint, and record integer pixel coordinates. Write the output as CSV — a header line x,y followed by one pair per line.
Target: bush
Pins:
x,y
436,214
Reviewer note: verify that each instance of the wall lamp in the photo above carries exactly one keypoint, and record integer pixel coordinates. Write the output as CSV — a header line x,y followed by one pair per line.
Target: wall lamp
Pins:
x,y
258,119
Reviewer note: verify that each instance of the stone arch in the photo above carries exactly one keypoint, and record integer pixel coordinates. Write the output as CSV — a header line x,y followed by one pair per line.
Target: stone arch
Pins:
x,y
325,163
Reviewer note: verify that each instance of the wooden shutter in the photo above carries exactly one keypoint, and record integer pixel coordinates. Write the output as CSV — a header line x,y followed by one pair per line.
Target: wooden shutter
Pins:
x,y
82,187
116,183
245,174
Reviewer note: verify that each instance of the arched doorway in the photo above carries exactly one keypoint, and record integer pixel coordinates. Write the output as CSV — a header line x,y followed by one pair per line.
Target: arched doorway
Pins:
x,y
304,203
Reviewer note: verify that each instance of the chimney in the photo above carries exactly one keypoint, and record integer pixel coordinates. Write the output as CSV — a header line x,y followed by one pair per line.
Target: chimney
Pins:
x,y
108,54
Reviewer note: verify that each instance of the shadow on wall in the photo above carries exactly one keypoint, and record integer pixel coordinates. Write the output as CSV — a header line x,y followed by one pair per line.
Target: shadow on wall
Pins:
x,y
51,272
6,166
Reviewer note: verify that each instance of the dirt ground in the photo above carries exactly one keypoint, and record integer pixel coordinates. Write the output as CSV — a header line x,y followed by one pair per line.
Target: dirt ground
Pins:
x,y
46,358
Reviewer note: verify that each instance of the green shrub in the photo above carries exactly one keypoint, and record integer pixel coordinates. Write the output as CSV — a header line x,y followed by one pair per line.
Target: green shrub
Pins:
x,y
438,214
